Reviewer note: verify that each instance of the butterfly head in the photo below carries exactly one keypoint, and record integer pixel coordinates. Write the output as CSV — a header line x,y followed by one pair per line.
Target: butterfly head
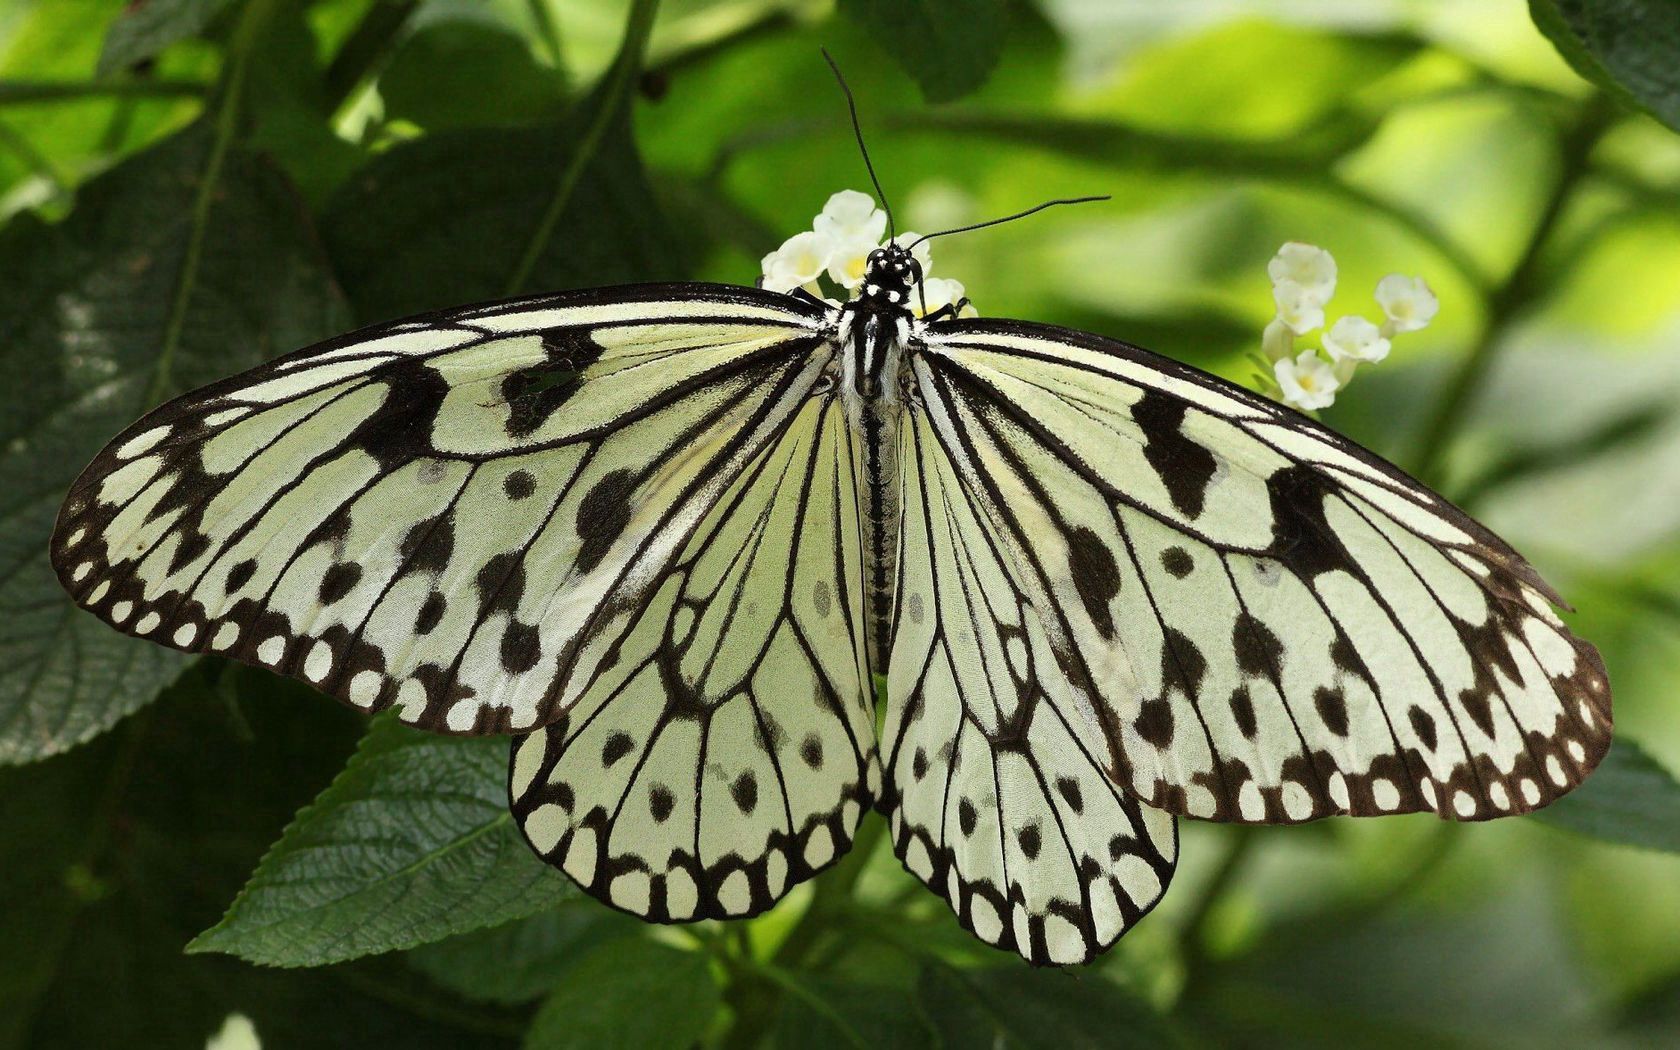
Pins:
x,y
889,277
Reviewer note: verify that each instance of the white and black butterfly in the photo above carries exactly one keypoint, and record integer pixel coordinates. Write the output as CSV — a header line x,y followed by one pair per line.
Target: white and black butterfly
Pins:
x,y
670,533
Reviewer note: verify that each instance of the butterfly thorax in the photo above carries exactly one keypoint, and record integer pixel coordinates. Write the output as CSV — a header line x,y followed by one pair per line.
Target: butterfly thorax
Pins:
x,y
874,333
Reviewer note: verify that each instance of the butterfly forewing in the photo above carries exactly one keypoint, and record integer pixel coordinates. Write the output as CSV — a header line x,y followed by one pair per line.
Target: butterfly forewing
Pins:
x,y
440,514
1271,624
726,750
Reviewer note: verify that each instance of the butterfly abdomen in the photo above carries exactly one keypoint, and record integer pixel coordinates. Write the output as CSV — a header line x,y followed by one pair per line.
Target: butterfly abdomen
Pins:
x,y
873,338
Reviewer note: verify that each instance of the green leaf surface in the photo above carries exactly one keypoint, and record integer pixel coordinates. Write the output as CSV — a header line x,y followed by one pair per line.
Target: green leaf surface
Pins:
x,y
116,853
156,283
827,1014
146,27
949,47
412,843
1015,1007
629,994
1630,798
447,219
463,72
1631,47
521,961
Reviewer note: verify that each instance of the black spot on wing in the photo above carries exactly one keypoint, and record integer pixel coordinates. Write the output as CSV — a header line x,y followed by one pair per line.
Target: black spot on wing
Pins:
x,y
745,791
535,394
602,516
1242,711
429,545
1423,724
1178,562
1155,721
431,611
617,746
401,427
521,648
1095,576
1332,709
501,583
1301,537
1184,467
338,580
241,574
660,803
1259,652
519,485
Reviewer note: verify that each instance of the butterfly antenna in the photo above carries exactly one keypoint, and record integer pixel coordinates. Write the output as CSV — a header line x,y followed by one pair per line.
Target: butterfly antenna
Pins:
x,y
1010,218
857,130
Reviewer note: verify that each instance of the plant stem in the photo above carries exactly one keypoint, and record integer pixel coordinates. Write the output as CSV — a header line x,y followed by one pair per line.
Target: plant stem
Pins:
x,y
610,100
226,106
1516,295
1192,936
365,49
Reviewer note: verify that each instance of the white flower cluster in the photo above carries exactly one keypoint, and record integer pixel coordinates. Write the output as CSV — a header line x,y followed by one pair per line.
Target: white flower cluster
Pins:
x,y
1303,279
837,248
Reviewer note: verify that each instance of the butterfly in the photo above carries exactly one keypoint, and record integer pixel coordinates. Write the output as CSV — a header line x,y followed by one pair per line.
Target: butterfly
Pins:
x,y
670,536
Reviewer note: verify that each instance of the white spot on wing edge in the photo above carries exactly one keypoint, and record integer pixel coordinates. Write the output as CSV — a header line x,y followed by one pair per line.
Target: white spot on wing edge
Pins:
x,y
142,442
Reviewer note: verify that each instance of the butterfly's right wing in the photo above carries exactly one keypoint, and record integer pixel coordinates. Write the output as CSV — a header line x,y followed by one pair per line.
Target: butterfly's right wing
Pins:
x,y
442,515
995,782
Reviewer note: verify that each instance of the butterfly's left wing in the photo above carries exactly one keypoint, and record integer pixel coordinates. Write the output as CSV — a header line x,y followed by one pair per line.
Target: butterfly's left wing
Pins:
x,y
441,515
1261,621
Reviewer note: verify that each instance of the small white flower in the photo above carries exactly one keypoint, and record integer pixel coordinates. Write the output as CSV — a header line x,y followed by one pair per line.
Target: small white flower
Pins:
x,y
847,261
799,261
940,291
1297,307
237,1033
850,216
1307,381
1353,338
1306,265
1407,301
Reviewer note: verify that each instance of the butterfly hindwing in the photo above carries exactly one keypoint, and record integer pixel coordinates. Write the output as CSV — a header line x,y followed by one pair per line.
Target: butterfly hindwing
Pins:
x,y
439,515
725,751
996,786
1271,624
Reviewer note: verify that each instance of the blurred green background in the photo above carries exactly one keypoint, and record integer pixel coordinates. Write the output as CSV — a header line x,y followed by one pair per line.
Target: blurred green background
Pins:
x,y
190,186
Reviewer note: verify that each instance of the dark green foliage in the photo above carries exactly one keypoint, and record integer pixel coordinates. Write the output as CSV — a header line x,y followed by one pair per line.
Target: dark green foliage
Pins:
x,y
629,993
187,262
948,46
411,843
1027,1009
1630,798
1628,46
190,187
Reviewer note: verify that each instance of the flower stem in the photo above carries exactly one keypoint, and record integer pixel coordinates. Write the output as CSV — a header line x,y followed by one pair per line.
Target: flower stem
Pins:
x,y
1510,300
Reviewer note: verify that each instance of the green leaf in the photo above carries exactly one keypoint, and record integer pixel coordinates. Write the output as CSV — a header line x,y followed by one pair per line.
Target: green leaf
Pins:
x,y
520,961
949,47
1011,1007
631,993
124,848
173,270
1629,798
468,72
486,213
412,843
827,1013
146,27
1626,46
